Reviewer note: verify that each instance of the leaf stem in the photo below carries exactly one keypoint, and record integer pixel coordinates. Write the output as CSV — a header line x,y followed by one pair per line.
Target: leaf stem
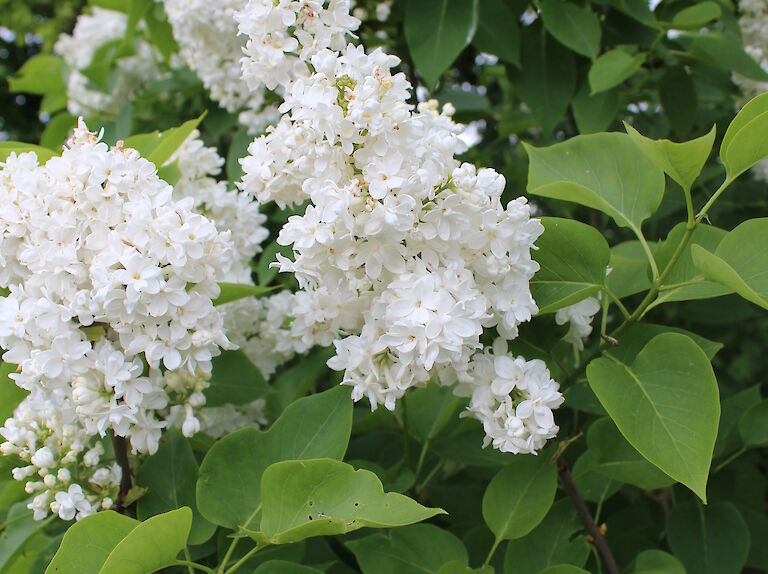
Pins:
x,y
228,555
713,199
648,253
192,566
430,476
617,301
491,552
730,459
236,566
422,456
188,559
586,517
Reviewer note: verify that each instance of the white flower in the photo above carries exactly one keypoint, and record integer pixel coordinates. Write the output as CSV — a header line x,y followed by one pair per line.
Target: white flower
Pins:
x,y
579,316
404,256
109,272
284,34
71,504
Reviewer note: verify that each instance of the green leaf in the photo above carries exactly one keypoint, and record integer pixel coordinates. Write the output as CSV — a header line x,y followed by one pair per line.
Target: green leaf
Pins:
x,y
733,407
680,161
326,497
437,31
519,496
497,32
677,93
283,567
234,380
636,337
161,33
151,545
594,113
171,140
601,171
657,562
237,150
57,130
229,484
685,270
575,27
116,5
554,541
593,485
628,269
10,394
696,16
743,145
612,68
14,538
618,460
429,410
573,257
728,54
43,153
170,476
740,261
753,425
564,569
546,79
136,12
234,291
712,539
417,548
88,543
757,522
40,74
666,404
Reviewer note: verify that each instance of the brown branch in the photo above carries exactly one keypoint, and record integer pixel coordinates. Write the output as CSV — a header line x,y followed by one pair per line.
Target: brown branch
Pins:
x,y
120,447
598,539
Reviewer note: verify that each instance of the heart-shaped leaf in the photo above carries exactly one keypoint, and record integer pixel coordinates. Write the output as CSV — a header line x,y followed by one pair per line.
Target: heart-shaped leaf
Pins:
x,y
573,257
666,404
519,496
740,261
229,484
325,497
601,171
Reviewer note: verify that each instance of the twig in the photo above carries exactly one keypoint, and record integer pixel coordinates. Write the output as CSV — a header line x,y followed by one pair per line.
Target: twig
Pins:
x,y
126,480
586,517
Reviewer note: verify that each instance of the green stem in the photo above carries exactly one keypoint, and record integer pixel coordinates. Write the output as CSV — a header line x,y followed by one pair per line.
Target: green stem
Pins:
x,y
492,552
188,559
696,281
642,307
228,555
713,199
730,459
424,483
192,566
422,456
14,520
648,253
617,301
236,566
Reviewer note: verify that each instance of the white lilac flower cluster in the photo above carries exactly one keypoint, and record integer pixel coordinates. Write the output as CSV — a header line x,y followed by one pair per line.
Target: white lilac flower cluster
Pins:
x,y
282,36
579,318
92,32
110,316
209,44
754,32
404,256
229,209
